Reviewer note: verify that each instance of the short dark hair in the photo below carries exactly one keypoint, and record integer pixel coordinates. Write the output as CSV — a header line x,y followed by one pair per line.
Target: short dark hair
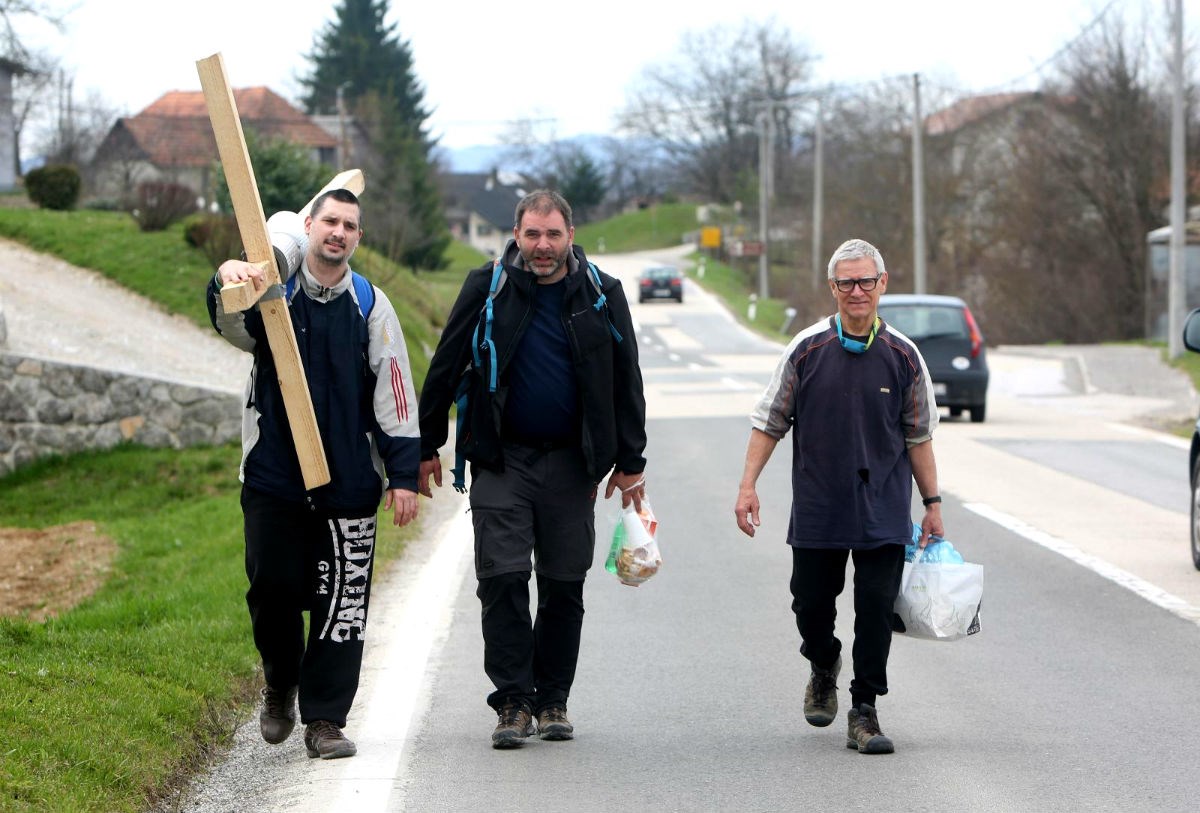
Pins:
x,y
543,201
340,195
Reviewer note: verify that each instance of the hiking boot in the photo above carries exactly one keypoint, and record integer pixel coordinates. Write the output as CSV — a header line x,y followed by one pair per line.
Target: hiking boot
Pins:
x,y
820,698
553,724
325,740
864,733
515,723
278,715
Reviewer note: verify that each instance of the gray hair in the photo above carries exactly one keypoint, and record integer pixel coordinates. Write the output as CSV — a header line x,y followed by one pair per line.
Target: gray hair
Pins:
x,y
543,202
856,249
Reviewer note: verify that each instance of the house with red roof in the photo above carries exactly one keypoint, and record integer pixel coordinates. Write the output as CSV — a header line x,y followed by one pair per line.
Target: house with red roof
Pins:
x,y
172,141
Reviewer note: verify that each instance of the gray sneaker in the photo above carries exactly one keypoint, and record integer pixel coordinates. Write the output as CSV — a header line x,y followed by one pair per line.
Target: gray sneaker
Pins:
x,y
820,698
278,715
554,725
864,733
513,726
325,740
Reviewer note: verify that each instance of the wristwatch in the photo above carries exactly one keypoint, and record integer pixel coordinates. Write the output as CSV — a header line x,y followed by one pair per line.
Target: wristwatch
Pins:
x,y
928,501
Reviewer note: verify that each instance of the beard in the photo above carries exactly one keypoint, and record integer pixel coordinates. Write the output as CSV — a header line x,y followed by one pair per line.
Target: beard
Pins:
x,y
334,259
559,260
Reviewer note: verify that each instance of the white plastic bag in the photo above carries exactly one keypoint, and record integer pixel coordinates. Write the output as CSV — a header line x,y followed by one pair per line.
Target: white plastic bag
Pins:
x,y
939,601
633,556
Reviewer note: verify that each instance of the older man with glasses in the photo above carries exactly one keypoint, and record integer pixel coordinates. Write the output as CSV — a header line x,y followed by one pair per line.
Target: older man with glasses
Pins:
x,y
858,398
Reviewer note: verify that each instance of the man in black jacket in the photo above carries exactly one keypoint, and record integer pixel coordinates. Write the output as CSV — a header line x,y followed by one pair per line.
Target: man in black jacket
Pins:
x,y
556,402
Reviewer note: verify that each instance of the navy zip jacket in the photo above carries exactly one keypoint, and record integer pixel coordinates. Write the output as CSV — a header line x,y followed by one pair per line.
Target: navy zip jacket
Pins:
x,y
611,401
361,388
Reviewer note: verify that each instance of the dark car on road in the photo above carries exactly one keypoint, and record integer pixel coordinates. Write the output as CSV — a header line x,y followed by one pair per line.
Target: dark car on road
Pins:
x,y
1191,340
951,343
660,282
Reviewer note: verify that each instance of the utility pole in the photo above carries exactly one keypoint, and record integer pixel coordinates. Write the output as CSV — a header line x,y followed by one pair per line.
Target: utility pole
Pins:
x,y
345,158
766,133
818,196
918,160
1176,287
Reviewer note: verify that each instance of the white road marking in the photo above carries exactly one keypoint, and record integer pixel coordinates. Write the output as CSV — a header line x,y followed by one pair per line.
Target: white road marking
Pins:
x,y
413,635
1155,595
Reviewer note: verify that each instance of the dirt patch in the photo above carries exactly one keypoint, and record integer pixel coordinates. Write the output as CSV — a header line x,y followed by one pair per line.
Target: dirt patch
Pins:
x,y
45,572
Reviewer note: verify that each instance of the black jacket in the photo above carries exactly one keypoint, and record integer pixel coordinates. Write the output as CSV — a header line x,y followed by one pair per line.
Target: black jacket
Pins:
x,y
610,382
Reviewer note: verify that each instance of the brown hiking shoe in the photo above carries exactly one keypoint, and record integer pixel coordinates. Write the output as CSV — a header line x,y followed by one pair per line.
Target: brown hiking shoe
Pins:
x,y
820,698
325,740
864,733
553,724
278,715
513,726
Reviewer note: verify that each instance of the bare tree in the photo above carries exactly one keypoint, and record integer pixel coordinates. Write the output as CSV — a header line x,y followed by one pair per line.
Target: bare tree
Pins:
x,y
701,105
11,12
1090,184
30,89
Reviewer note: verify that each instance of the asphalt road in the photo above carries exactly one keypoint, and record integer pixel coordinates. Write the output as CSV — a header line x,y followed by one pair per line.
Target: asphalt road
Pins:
x,y
1078,694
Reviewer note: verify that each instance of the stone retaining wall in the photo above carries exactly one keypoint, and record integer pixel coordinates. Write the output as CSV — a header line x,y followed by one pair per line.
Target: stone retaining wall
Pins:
x,y
49,407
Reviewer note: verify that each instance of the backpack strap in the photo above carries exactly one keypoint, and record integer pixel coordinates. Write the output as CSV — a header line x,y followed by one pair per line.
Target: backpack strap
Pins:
x,y
364,292
602,301
462,397
499,275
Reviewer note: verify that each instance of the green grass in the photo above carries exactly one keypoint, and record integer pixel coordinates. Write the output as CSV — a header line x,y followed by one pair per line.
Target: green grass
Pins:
x,y
732,287
104,706
661,226
158,265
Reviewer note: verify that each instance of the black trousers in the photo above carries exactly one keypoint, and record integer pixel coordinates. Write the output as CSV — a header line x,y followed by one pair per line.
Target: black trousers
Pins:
x,y
818,577
537,516
298,560
530,663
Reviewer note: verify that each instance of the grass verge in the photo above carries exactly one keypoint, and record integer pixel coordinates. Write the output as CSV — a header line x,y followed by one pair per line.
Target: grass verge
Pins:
x,y
105,707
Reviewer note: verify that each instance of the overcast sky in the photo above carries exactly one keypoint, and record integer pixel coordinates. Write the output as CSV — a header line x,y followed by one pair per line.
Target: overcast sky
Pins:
x,y
484,64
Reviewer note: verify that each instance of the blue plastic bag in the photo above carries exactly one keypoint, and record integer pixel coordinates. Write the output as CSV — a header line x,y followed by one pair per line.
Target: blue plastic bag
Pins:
x,y
936,550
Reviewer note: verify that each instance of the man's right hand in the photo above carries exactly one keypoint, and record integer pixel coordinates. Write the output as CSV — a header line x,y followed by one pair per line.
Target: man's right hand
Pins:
x,y
233,271
431,466
746,510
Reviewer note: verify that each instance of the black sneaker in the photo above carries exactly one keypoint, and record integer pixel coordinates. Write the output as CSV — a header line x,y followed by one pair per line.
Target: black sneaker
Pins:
x,y
552,724
278,715
513,726
325,740
864,734
820,698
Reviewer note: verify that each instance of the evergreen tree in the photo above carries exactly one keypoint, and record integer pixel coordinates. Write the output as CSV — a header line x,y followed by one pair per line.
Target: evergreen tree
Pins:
x,y
582,184
363,55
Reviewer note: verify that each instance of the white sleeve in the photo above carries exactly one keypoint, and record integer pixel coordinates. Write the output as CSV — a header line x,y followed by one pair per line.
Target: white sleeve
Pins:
x,y
287,235
395,398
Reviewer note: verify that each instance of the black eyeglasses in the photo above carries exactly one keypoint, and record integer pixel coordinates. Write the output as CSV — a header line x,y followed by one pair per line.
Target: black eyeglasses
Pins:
x,y
847,285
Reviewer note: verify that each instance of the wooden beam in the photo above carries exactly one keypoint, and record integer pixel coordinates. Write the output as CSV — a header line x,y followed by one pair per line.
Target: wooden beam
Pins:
x,y
240,296
247,207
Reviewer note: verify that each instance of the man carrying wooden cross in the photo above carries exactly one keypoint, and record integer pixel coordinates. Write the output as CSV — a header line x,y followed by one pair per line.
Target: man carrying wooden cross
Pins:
x,y
313,549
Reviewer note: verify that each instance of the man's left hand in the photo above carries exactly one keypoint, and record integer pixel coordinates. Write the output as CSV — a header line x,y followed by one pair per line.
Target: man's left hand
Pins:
x,y
931,524
403,504
632,486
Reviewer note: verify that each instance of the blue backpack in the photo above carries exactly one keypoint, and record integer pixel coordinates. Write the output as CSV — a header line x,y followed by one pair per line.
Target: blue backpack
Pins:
x,y
462,395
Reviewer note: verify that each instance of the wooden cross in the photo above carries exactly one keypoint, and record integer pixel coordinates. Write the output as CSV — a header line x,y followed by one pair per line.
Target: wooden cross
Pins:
x,y
247,207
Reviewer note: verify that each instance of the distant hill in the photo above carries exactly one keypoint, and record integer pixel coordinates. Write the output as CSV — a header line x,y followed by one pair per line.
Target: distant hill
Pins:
x,y
485,157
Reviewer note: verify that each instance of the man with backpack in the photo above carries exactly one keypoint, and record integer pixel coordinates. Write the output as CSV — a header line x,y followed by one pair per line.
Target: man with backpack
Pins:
x,y
540,347
313,550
